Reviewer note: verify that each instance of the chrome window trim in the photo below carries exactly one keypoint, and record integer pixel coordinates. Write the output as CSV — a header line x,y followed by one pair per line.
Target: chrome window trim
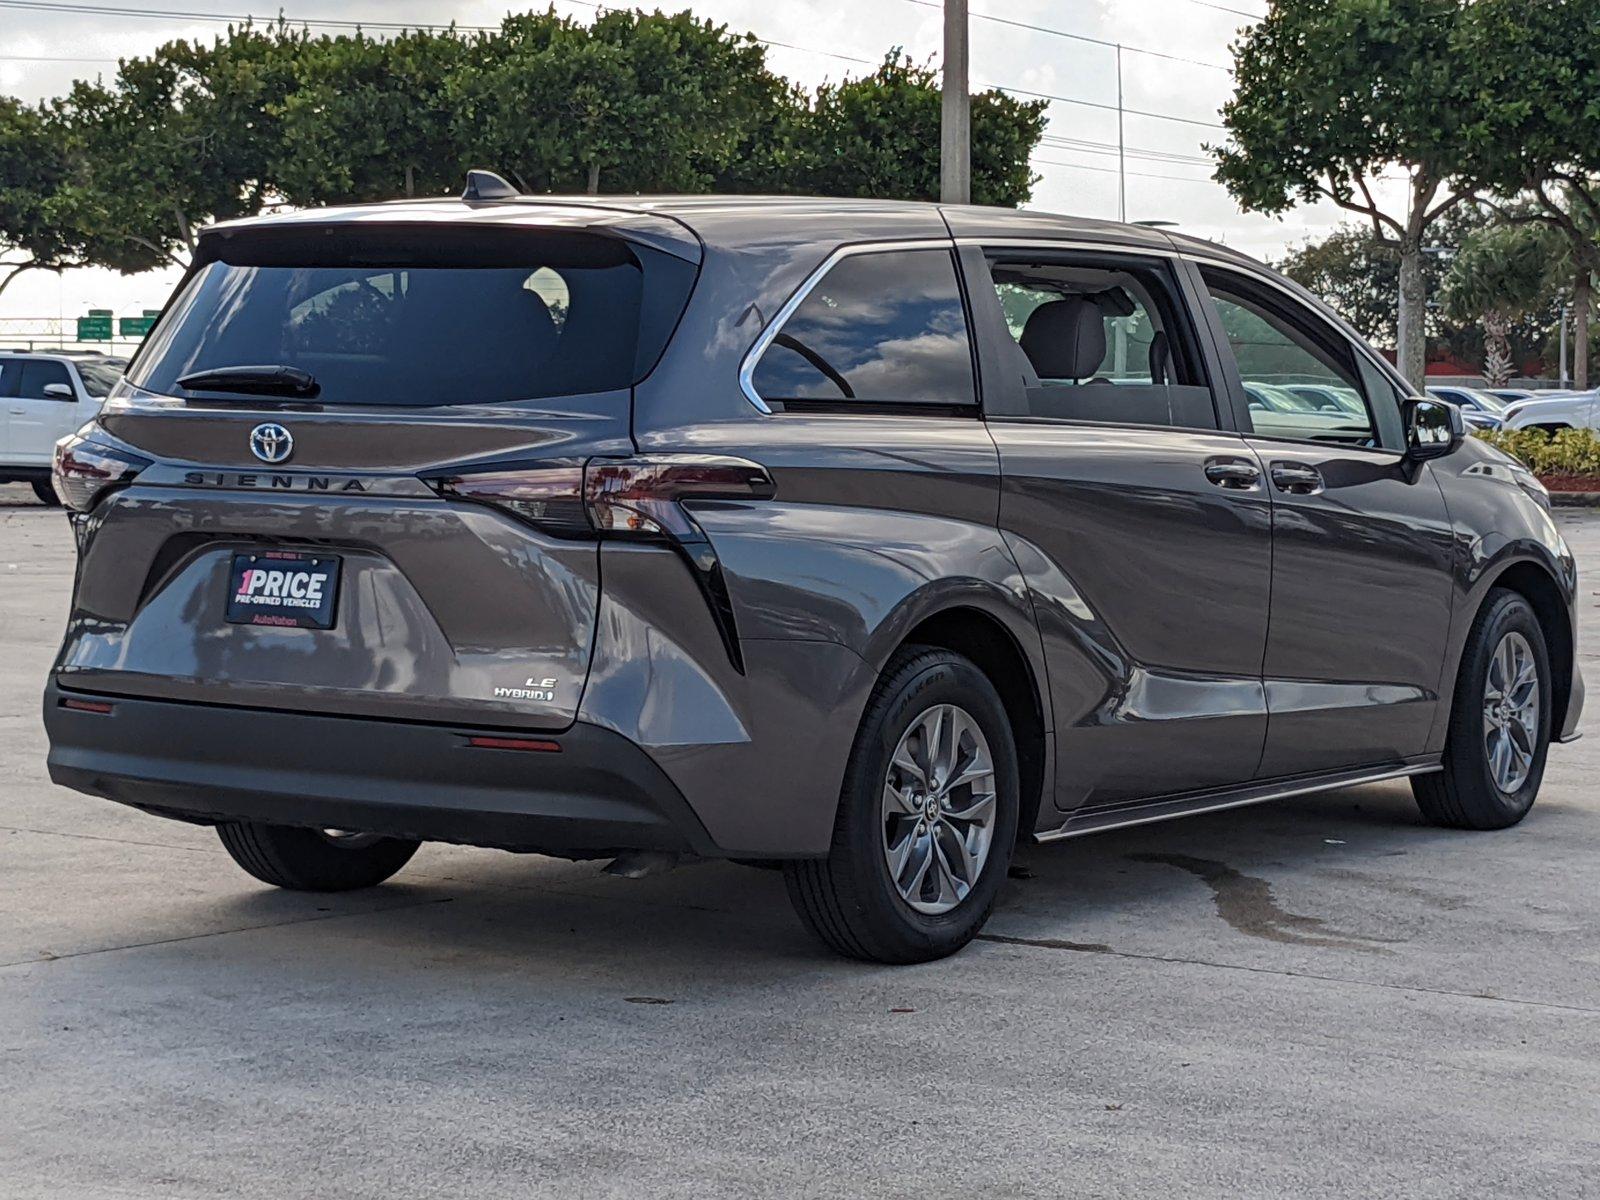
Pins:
x,y
752,357
1048,244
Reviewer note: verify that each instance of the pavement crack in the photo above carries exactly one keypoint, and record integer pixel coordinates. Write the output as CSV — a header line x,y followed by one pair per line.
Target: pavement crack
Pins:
x,y
210,933
1282,972
1049,943
95,837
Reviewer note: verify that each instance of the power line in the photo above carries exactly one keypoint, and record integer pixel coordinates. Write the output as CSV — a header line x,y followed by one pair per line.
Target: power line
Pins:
x,y
1238,12
1054,162
106,10
1132,112
334,23
51,58
1093,147
1079,37
168,14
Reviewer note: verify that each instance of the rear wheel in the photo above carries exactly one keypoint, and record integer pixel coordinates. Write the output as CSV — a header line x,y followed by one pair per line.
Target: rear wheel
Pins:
x,y
314,860
43,489
927,817
1499,723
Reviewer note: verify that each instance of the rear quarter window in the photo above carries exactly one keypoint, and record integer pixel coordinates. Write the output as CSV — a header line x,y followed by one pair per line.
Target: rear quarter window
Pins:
x,y
885,327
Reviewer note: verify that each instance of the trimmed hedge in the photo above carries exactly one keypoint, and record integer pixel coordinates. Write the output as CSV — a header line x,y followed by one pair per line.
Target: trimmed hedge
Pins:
x,y
1568,453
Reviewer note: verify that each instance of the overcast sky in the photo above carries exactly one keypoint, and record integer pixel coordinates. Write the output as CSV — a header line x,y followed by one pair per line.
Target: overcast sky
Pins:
x,y
41,52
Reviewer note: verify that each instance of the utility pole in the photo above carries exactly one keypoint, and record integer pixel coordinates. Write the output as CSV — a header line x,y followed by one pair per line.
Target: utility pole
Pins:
x,y
1122,166
1566,311
955,125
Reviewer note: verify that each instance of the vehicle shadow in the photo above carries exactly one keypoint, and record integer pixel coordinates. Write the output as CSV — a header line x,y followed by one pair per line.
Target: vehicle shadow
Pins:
x,y
474,911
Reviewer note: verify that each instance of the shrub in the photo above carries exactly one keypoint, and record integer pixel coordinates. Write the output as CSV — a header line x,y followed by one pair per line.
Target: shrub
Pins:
x,y
1567,452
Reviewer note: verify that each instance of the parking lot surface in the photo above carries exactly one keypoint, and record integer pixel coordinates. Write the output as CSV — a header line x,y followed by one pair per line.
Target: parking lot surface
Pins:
x,y
1320,997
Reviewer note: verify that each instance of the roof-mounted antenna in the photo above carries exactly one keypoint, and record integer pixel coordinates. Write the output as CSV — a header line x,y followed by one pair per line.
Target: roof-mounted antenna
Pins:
x,y
486,185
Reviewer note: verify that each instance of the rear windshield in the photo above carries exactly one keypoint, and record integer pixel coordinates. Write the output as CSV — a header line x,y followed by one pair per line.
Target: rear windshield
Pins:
x,y
424,316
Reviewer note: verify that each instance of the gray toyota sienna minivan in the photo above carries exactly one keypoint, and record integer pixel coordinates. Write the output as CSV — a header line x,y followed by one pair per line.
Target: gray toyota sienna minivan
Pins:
x,y
862,537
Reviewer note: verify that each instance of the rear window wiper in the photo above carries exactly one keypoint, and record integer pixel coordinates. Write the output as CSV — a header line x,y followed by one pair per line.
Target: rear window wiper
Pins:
x,y
274,380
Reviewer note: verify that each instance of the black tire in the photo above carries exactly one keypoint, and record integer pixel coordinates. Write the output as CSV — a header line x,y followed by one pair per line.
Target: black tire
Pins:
x,y
46,492
848,899
308,860
1465,795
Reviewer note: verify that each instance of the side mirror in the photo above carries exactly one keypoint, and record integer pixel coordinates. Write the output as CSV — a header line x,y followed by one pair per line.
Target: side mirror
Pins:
x,y
58,391
1434,428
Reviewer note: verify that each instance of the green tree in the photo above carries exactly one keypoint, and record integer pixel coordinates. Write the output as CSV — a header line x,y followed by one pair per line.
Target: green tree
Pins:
x,y
1499,276
370,119
633,101
1530,127
1357,277
1330,94
878,135
34,166
178,139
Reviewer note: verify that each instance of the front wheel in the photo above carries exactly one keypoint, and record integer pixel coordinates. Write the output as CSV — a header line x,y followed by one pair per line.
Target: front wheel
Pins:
x,y
1499,723
314,860
927,817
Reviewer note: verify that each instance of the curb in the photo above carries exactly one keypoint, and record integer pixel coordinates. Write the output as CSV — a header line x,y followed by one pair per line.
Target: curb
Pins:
x,y
1575,499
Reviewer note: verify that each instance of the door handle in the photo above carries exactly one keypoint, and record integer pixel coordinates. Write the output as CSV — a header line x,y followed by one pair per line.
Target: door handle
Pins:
x,y
1234,474
1297,479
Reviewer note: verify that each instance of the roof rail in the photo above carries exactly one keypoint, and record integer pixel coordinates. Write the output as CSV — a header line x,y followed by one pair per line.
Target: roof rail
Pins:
x,y
486,185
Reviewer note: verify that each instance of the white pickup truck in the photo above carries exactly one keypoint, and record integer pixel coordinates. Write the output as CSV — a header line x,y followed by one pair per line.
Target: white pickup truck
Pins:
x,y
1552,411
43,397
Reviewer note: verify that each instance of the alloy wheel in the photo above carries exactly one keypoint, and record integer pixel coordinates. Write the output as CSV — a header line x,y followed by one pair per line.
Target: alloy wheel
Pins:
x,y
1511,712
938,809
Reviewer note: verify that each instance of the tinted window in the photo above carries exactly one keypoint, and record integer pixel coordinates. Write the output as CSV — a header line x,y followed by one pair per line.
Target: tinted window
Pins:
x,y
1300,379
1102,339
447,317
36,374
877,328
99,377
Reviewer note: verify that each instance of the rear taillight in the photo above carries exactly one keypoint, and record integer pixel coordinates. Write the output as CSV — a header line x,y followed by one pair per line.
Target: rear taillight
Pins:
x,y
85,467
637,498
643,497
618,497
550,497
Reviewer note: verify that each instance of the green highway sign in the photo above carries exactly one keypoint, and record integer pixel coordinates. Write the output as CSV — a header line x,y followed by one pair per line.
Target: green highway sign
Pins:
x,y
137,327
96,327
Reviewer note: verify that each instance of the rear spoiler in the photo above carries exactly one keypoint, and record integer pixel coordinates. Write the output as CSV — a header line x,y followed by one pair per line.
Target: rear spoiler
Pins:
x,y
530,213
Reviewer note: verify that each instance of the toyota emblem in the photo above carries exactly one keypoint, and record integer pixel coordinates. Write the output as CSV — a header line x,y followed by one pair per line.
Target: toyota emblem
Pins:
x,y
271,443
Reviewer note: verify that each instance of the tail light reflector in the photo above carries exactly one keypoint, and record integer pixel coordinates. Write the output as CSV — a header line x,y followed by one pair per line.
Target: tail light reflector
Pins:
x,y
88,706
506,743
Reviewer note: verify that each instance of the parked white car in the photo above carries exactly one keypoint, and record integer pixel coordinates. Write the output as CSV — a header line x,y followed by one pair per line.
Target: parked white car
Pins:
x,y
43,397
1552,412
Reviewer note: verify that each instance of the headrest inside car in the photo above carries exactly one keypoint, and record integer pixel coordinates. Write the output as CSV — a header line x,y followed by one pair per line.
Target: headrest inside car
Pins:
x,y
1066,338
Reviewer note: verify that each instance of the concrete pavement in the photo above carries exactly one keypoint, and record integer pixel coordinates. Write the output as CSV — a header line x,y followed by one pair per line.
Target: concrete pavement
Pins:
x,y
1315,998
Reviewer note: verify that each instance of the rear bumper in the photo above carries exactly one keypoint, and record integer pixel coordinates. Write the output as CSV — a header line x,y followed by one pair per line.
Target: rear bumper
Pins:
x,y
598,794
